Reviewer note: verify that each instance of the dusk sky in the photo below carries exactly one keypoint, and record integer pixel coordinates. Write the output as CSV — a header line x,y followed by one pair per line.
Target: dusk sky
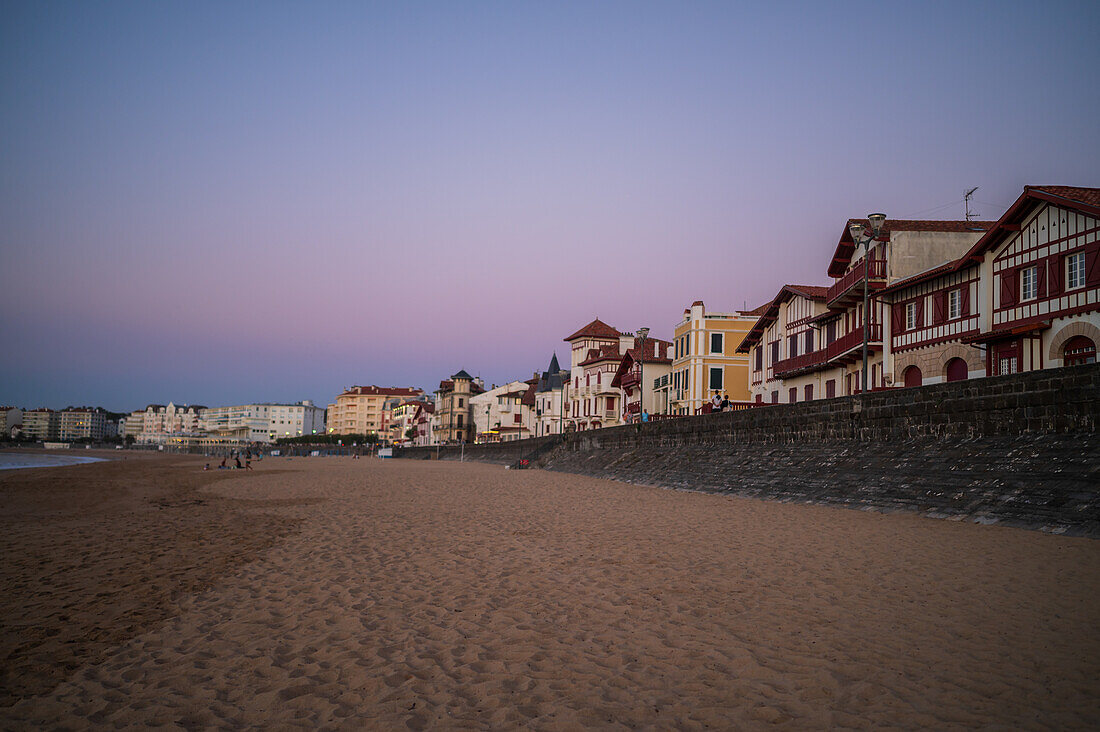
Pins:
x,y
228,202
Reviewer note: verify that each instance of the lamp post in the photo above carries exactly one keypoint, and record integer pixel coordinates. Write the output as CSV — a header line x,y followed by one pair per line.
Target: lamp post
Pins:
x,y
859,233
644,333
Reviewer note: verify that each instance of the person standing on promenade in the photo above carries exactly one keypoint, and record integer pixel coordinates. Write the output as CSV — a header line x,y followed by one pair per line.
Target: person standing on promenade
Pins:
x,y
716,401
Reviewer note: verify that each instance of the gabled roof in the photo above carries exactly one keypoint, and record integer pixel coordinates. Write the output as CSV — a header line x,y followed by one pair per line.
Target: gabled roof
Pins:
x,y
846,247
529,395
1082,200
596,329
607,353
771,311
463,375
758,311
919,277
631,357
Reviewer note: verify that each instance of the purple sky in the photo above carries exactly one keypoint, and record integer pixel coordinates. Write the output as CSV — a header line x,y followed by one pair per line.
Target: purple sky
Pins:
x,y
219,203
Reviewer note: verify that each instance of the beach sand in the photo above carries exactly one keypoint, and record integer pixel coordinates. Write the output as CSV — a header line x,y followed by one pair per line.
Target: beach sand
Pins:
x,y
338,593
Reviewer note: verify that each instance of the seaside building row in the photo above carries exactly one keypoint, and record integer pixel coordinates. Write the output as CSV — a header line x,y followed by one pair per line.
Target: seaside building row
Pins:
x,y
926,301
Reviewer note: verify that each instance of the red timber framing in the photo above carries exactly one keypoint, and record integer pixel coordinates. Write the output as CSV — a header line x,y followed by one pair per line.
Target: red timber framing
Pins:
x,y
929,302
1044,228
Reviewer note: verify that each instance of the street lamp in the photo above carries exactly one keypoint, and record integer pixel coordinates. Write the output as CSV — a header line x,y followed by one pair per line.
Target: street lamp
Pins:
x,y
643,332
858,233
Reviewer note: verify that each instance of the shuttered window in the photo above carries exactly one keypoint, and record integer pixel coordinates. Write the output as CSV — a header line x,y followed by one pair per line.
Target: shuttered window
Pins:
x,y
1075,271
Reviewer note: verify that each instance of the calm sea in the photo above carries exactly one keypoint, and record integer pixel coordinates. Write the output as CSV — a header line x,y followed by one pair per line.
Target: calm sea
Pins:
x,y
16,460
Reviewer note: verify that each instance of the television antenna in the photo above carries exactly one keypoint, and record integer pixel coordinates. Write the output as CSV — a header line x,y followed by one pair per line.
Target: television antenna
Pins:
x,y
966,200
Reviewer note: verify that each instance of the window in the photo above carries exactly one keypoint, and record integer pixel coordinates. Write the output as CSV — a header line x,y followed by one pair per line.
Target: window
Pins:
x,y
1029,284
792,395
775,397
792,346
460,402
1079,350
954,304
910,316
830,388
775,352
809,341
460,420
517,418
716,378
716,343
809,392
1075,271
759,357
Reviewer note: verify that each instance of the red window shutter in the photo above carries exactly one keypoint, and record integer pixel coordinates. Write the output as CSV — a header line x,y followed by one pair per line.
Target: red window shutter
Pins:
x,y
1092,265
1057,266
611,402
920,312
518,418
1041,279
964,300
938,307
1008,288
897,318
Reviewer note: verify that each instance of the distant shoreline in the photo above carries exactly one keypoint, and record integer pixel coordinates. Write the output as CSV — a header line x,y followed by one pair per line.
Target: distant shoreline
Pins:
x,y
21,460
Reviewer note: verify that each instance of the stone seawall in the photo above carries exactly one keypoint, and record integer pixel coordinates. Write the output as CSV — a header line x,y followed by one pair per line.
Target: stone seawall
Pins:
x,y
1021,450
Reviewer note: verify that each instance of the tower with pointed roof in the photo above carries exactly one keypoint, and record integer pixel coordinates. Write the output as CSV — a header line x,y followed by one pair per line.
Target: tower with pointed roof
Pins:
x,y
549,399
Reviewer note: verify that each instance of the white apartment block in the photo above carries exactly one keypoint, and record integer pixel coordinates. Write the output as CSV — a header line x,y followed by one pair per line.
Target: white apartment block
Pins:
x,y
265,422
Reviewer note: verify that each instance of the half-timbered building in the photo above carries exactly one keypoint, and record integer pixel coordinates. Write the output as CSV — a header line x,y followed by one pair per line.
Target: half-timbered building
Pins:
x,y
640,378
786,357
1042,265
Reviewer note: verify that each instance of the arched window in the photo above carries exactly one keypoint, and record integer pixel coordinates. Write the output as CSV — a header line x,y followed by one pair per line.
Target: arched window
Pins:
x,y
957,370
913,376
1079,350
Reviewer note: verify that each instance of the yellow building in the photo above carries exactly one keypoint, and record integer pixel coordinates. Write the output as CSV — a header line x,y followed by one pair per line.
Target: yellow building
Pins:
x,y
359,410
705,359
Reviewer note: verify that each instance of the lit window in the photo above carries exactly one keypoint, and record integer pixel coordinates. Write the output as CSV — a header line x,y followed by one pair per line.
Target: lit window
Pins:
x,y
1075,271
1029,284
954,304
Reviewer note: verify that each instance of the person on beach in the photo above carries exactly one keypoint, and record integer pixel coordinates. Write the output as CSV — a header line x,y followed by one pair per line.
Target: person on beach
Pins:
x,y
247,463
206,467
223,465
238,461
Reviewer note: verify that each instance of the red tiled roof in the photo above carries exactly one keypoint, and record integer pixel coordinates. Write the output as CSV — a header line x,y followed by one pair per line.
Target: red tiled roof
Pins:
x,y
758,311
382,391
529,395
607,353
596,329
771,311
1085,200
842,256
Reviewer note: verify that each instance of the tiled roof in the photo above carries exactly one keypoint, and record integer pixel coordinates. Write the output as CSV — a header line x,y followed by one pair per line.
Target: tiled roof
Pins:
x,y
1085,200
771,311
607,353
842,256
928,274
596,329
382,391
463,375
758,311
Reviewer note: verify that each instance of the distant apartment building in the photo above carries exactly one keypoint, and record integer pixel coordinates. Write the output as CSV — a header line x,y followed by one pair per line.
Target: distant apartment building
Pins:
x,y
706,359
264,422
453,415
10,417
81,423
399,419
157,422
40,424
360,410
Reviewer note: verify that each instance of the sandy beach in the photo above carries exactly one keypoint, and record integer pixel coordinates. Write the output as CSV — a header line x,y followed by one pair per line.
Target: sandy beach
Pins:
x,y
364,594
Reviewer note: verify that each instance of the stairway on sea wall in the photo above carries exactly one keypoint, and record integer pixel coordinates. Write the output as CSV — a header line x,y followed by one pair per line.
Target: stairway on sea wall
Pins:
x,y
1021,450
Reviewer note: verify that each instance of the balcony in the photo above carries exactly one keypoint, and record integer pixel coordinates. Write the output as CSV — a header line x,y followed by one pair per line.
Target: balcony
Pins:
x,y
849,347
849,288
630,378
807,362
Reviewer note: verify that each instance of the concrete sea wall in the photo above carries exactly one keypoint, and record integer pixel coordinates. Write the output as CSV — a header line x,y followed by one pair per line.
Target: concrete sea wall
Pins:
x,y
1020,450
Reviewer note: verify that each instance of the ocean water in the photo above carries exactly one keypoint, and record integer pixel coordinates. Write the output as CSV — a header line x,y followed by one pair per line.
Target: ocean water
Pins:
x,y
16,460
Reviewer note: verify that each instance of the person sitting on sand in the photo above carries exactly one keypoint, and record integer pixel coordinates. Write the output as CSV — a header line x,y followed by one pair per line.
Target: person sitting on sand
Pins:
x,y
206,467
223,466
248,463
238,461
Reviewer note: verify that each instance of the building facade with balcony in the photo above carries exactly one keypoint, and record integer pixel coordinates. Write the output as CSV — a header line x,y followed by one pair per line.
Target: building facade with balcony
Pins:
x,y
265,421
40,424
595,351
787,359
1026,296
360,410
641,378
706,358
82,423
903,249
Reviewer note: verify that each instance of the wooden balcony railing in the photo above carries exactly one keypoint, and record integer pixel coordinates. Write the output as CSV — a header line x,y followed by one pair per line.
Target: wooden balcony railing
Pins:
x,y
876,274
848,341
